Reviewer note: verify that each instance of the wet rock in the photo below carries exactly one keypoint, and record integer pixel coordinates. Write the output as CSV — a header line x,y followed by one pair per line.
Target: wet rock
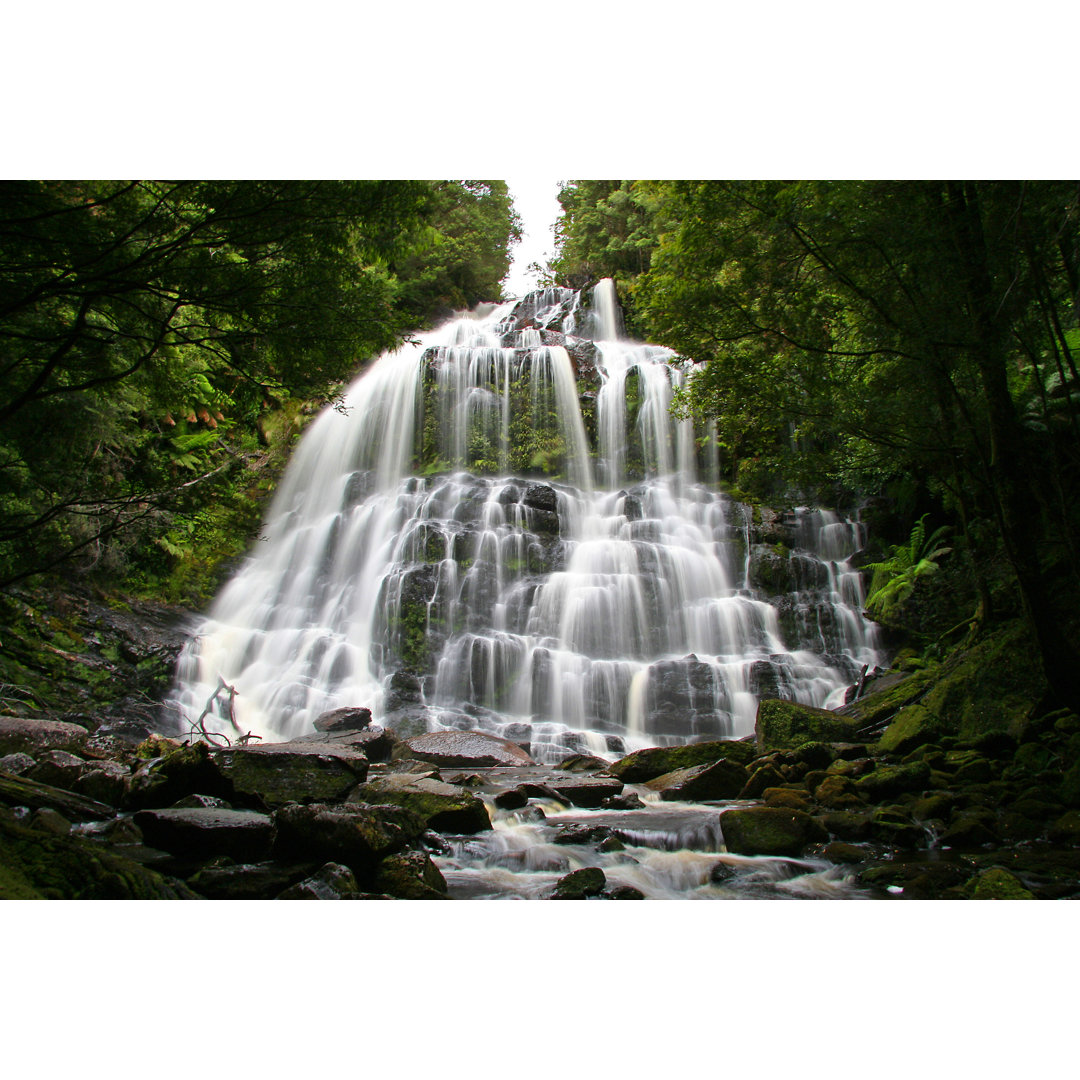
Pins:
x,y
971,828
721,779
846,824
48,820
914,726
767,830
580,884
201,802
246,881
466,749
787,725
19,734
357,835
343,720
17,764
996,884
583,834
582,763
410,875
647,764
280,773
330,882
201,833
887,781
788,798
839,852
764,776
894,825
588,791
58,768
104,781
623,892
22,791
627,801
514,799
837,792
440,806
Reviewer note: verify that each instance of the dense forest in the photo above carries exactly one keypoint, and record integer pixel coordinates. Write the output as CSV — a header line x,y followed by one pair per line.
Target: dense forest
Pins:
x,y
911,341
161,343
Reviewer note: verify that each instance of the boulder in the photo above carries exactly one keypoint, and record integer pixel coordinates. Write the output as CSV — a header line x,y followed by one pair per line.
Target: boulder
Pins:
x,y
442,807
247,881
201,833
654,761
586,791
357,835
580,884
20,734
913,726
340,721
375,743
17,764
721,779
331,881
887,781
410,875
59,768
280,773
466,749
768,830
786,725
996,884
104,781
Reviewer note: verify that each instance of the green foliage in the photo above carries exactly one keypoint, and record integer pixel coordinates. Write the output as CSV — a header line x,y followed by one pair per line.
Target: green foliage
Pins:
x,y
148,328
894,578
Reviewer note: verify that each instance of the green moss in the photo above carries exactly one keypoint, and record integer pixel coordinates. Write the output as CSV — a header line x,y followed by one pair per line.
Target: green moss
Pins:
x,y
786,725
647,764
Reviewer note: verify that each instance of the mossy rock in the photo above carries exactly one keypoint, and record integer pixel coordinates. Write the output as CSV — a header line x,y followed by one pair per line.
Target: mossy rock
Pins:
x,y
888,781
721,779
580,884
410,875
914,726
37,865
768,830
996,884
442,807
654,761
306,773
189,770
786,725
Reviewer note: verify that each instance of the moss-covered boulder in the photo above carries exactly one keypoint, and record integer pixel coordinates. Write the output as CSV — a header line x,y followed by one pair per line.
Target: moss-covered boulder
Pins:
x,y
441,806
580,884
996,884
280,773
721,779
357,835
38,865
201,833
913,726
410,875
887,781
186,770
654,761
332,881
23,791
787,725
768,830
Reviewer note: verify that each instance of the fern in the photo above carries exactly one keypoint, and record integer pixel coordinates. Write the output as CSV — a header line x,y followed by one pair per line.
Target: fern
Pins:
x,y
894,578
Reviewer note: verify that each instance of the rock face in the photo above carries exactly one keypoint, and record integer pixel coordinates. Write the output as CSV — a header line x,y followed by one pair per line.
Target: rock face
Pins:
x,y
467,749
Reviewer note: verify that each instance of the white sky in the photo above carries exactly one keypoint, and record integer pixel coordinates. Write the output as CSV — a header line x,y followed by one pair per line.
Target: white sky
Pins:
x,y
537,204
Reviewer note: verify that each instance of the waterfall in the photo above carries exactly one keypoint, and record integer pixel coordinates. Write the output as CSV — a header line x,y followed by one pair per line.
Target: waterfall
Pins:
x,y
503,528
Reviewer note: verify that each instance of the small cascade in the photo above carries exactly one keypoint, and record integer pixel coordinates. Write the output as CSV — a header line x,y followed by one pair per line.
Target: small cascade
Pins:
x,y
505,529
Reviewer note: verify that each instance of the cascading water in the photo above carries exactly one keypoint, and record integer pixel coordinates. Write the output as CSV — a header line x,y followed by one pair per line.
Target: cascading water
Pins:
x,y
503,528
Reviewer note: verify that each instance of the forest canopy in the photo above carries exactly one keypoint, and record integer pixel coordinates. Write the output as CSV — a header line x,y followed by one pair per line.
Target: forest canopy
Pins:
x,y
147,328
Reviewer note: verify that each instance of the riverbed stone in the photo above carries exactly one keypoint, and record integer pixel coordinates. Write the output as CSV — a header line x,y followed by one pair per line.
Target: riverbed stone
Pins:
x,y
339,721
466,749
410,875
887,781
280,773
21,734
441,806
769,830
580,884
245,835
60,768
647,764
588,792
179,771
23,791
332,881
721,779
355,834
997,884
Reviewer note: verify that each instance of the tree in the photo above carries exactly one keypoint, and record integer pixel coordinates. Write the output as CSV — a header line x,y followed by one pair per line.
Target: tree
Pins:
x,y
140,321
892,329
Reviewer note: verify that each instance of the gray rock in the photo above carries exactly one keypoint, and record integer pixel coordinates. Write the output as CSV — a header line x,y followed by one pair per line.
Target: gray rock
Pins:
x,y
19,734
466,749
204,832
343,720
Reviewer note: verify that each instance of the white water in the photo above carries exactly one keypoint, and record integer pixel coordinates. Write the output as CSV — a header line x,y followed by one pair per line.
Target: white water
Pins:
x,y
609,609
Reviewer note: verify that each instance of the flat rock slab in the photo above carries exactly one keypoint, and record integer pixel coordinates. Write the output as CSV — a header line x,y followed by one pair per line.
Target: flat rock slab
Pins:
x,y
20,734
281,773
585,791
443,807
204,832
467,749
374,742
